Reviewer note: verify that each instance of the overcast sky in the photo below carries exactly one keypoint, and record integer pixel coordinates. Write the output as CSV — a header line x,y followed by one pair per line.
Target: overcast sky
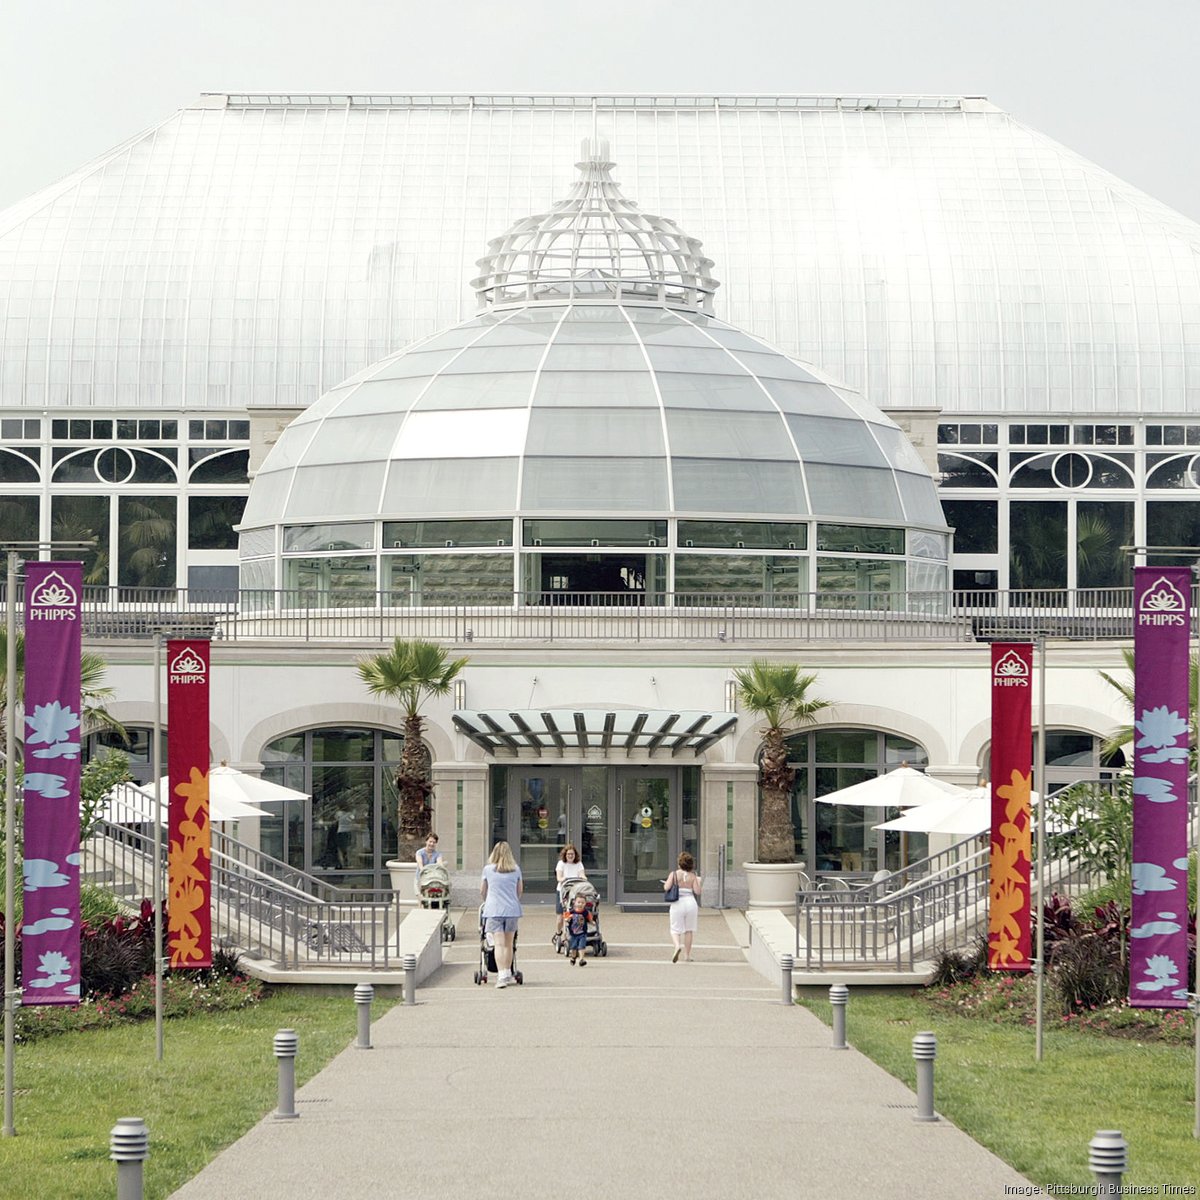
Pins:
x,y
1112,79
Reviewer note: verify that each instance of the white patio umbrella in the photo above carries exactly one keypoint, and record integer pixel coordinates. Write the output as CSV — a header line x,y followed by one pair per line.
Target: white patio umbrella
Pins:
x,y
226,783
127,804
902,788
967,814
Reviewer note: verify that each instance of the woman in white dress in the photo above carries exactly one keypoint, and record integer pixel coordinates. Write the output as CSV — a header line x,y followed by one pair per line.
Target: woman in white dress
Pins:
x,y
685,912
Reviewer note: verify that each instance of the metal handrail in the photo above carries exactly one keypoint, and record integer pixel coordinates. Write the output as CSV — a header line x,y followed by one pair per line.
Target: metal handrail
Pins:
x,y
262,915
374,616
901,921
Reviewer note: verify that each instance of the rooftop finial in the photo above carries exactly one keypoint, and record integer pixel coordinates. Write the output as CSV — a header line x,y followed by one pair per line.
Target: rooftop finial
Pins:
x,y
595,245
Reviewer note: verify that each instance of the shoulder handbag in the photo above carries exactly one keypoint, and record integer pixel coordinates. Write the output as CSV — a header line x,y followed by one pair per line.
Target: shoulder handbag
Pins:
x,y
671,893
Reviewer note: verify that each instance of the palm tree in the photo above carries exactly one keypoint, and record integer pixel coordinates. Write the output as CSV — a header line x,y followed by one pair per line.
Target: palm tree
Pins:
x,y
410,673
778,693
93,693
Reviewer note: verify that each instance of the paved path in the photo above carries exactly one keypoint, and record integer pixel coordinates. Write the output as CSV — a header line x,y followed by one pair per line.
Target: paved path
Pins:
x,y
628,1078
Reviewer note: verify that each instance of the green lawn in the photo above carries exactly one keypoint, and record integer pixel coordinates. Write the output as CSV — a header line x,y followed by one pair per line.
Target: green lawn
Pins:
x,y
1039,1116
217,1079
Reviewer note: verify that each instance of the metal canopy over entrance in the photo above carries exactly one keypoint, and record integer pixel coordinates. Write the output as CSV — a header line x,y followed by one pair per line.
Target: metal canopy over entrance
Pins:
x,y
530,733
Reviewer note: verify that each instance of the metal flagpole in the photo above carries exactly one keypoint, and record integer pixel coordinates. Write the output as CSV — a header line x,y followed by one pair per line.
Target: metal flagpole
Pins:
x,y
10,845
1039,961
156,766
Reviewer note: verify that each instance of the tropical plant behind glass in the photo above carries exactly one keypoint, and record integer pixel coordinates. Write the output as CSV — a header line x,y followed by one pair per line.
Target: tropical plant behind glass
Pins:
x,y
410,673
778,693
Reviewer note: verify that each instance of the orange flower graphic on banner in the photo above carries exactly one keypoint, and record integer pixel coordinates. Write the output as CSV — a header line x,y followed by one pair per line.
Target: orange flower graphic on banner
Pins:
x,y
1010,846
187,873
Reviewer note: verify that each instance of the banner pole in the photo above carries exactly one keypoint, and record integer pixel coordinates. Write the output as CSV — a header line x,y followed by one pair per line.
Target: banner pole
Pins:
x,y
156,761
10,845
1039,964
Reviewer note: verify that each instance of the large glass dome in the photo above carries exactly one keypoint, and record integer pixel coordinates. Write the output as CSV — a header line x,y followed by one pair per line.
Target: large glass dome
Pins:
x,y
594,406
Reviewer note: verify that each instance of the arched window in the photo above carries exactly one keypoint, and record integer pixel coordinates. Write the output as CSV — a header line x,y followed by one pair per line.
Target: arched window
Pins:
x,y
136,750
841,838
346,831
1071,755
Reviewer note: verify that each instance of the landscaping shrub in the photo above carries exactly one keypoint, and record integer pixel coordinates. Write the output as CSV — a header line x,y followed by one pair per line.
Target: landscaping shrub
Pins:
x,y
116,953
956,966
1087,972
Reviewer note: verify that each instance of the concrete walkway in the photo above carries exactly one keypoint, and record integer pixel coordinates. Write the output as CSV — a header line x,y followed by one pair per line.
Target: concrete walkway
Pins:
x,y
628,1078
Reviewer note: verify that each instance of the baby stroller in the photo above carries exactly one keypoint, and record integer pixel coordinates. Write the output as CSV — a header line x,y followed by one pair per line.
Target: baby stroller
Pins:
x,y
487,955
596,943
433,887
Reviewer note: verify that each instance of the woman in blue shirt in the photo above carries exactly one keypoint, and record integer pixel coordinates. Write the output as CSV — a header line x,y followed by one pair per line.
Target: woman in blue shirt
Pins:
x,y
501,889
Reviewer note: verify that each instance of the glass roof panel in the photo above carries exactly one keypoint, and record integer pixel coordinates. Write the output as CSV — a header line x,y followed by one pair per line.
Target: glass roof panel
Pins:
x,y
461,433
841,491
807,398
693,360
414,363
725,392
714,485
696,432
351,440
826,439
507,390
267,496
333,493
452,485
564,485
594,431
921,504
615,389
482,359
582,357
379,396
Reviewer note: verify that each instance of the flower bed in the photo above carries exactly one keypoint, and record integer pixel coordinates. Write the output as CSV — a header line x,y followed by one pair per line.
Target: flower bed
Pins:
x,y
184,993
1011,1000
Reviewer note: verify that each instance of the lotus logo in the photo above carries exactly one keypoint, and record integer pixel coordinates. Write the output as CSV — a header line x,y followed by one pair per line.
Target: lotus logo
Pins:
x,y
188,662
54,592
1163,597
1012,666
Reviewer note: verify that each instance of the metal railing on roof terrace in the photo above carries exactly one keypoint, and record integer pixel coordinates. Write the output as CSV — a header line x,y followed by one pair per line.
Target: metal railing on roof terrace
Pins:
x,y
357,615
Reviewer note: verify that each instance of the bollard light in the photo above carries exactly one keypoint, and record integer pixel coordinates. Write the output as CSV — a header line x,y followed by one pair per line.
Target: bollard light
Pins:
x,y
286,1044
1108,1157
410,979
786,963
839,997
924,1049
364,993
129,1147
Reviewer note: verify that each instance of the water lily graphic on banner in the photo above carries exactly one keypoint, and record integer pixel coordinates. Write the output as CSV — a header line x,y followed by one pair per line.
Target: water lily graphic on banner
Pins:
x,y
51,725
1161,729
54,969
1163,973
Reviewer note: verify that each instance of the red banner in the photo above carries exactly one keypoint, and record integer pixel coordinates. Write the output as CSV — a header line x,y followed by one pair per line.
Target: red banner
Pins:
x,y
1012,770
189,856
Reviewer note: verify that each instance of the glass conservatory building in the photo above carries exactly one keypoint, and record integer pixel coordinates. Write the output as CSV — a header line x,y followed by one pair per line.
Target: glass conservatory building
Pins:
x,y
595,435
239,351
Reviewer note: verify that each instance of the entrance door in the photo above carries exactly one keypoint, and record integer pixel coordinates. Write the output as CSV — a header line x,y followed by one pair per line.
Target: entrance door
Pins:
x,y
543,815
649,837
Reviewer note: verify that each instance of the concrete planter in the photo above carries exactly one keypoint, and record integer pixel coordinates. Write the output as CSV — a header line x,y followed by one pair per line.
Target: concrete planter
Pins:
x,y
772,885
404,881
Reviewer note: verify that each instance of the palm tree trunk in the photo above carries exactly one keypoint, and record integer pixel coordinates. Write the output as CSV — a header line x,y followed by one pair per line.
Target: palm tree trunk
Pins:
x,y
414,791
776,836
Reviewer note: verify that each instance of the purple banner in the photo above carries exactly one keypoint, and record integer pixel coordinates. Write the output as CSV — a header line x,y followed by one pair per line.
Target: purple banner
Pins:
x,y
1158,952
50,932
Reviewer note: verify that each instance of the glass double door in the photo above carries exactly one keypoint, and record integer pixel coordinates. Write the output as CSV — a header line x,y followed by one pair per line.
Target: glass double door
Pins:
x,y
621,820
